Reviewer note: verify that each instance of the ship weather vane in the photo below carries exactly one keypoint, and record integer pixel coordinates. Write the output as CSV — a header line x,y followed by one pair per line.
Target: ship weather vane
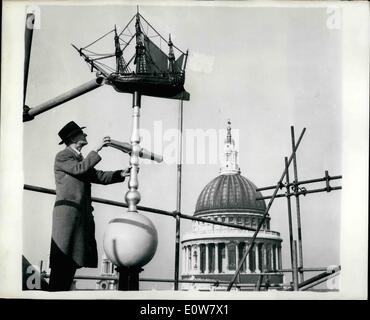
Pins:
x,y
142,65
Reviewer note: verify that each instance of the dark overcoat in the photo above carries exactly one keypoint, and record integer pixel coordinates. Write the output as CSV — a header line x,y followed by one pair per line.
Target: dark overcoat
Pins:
x,y
73,230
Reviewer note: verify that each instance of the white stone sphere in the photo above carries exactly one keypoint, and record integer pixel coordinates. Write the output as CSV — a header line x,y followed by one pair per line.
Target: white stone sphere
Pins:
x,y
131,240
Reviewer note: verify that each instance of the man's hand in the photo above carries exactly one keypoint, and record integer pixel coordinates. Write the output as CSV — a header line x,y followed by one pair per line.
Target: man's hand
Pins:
x,y
104,143
126,172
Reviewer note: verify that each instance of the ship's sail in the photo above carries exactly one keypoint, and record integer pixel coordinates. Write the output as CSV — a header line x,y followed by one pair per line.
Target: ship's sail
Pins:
x,y
179,63
157,60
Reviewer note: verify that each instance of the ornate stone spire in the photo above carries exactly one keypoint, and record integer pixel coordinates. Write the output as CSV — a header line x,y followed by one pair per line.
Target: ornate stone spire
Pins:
x,y
230,163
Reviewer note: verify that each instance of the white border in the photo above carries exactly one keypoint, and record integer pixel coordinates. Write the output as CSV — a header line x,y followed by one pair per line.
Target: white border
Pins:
x,y
354,233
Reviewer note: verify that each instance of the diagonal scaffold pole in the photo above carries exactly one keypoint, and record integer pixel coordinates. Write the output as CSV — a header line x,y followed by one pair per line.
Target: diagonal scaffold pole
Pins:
x,y
289,204
30,21
298,209
278,185
178,198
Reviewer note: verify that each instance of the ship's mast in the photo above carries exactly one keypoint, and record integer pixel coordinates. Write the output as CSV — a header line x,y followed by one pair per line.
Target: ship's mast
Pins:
x,y
171,55
120,62
140,59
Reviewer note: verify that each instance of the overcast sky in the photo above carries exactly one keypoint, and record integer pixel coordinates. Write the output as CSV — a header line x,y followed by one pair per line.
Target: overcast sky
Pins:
x,y
264,68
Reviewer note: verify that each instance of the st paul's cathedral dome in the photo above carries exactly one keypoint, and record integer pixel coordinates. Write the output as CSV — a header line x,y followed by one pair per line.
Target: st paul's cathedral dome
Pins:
x,y
213,252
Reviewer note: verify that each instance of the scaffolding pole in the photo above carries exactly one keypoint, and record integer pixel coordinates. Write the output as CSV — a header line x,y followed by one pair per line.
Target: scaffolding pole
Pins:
x,y
30,21
265,213
318,281
289,213
30,113
146,209
298,208
178,198
304,192
326,178
295,266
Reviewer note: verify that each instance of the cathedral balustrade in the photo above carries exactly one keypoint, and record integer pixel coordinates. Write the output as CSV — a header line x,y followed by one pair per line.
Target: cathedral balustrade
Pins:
x,y
208,228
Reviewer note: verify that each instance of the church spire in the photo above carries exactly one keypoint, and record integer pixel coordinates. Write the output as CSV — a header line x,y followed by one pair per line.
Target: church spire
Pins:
x,y
230,162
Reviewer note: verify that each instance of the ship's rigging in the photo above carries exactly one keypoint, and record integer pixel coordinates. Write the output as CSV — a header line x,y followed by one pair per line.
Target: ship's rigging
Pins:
x,y
141,65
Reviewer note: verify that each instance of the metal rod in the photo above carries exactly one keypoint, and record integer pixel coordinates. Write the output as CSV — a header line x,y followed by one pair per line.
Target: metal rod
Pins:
x,y
69,95
302,192
318,277
30,21
265,214
298,208
142,208
304,269
289,213
327,180
315,283
214,282
303,182
87,277
295,267
132,196
184,281
178,197
159,211
259,282
127,148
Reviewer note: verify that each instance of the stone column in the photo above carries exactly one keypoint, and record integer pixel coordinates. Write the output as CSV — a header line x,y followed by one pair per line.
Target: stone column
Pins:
x,y
247,269
257,269
198,257
183,260
190,259
262,257
267,252
186,259
236,255
207,259
217,270
271,257
226,258
279,258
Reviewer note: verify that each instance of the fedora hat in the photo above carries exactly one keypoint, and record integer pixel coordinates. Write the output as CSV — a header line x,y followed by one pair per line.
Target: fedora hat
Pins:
x,y
69,130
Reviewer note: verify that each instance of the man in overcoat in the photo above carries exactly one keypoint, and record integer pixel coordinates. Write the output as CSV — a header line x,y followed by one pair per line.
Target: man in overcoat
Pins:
x,y
73,243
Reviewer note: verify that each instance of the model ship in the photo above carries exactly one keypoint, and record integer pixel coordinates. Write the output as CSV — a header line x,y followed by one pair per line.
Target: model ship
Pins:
x,y
142,66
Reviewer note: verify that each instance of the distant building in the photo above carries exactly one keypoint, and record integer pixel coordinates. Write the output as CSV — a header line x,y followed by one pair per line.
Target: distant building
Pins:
x,y
107,270
213,252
